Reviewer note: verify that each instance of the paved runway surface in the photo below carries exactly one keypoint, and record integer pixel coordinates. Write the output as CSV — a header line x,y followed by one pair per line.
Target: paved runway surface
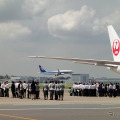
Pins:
x,y
71,108
60,112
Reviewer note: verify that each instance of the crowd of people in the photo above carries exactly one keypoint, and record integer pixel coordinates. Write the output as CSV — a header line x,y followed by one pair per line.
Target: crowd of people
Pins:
x,y
4,89
55,90
31,90
22,90
95,89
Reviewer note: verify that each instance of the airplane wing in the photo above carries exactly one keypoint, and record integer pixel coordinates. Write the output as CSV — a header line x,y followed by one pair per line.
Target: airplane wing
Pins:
x,y
105,63
96,64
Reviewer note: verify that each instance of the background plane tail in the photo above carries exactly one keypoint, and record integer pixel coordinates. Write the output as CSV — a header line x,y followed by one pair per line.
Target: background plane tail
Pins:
x,y
41,69
115,43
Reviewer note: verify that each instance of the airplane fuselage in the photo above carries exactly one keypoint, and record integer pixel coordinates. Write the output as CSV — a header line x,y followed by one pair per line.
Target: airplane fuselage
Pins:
x,y
62,72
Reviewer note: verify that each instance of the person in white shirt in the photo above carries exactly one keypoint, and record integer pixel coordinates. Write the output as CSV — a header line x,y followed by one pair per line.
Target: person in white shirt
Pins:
x,y
6,89
91,89
78,89
81,89
37,89
51,89
58,90
45,90
75,89
24,87
86,89
114,90
97,85
16,89
110,90
73,86
20,86
62,86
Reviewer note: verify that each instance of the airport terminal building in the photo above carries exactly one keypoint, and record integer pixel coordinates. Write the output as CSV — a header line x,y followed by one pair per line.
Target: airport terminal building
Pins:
x,y
80,78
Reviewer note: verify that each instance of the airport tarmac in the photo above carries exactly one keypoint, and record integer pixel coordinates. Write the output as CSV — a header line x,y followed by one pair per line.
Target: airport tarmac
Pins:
x,y
72,107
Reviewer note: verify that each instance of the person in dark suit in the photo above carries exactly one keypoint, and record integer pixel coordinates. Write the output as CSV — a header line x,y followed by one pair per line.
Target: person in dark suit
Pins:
x,y
33,90
13,89
100,90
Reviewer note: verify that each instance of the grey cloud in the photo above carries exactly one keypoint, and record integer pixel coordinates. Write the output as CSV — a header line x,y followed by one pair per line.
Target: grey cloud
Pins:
x,y
13,10
88,40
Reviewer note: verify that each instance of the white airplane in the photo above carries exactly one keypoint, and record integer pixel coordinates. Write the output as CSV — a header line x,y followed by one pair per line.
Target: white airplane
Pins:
x,y
56,73
112,65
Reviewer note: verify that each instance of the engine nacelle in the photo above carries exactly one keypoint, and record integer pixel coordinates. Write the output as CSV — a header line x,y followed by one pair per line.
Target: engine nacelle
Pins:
x,y
115,69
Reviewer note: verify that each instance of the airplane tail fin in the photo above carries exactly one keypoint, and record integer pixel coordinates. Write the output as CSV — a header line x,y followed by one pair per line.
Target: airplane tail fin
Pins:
x,y
115,43
41,69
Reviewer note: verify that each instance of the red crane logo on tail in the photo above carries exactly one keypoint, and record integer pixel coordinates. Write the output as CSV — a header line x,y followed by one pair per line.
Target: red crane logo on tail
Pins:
x,y
116,47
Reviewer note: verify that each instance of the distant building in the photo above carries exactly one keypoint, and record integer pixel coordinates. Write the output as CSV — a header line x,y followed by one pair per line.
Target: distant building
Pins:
x,y
107,80
14,79
80,78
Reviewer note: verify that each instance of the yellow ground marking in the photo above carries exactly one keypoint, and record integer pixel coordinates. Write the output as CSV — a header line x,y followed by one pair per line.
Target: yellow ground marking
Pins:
x,y
17,117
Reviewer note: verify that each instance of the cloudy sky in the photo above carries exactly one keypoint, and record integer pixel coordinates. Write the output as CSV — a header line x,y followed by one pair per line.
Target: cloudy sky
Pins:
x,y
57,28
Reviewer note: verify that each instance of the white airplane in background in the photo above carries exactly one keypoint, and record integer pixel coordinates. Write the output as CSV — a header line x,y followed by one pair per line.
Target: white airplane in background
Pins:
x,y
56,73
112,65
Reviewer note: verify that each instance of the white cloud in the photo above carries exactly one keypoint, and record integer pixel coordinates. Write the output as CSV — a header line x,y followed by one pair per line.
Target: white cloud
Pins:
x,y
70,20
75,23
34,6
12,30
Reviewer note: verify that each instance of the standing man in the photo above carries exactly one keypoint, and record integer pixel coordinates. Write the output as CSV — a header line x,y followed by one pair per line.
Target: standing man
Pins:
x,y
45,90
2,88
97,86
117,88
16,89
29,90
33,90
56,95
51,89
58,90
6,89
110,90
75,88
13,89
114,90
20,86
24,89
62,86
37,87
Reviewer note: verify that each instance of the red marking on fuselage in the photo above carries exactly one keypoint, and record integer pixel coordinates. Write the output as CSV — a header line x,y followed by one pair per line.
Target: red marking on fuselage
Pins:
x,y
116,47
